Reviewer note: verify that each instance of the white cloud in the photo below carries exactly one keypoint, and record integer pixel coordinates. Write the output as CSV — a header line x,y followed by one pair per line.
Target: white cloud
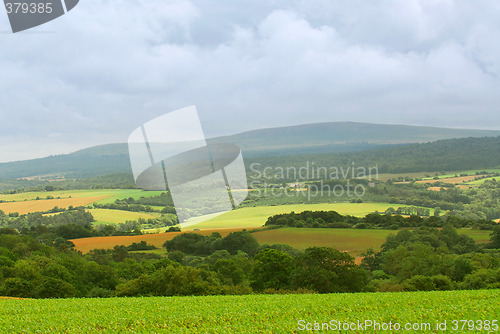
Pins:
x,y
109,66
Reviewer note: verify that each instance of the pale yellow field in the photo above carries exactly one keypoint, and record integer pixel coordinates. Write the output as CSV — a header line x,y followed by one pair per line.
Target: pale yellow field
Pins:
x,y
27,203
25,207
459,186
105,216
28,196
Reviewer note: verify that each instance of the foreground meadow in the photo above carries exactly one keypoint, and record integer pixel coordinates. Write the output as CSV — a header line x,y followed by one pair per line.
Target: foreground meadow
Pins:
x,y
256,313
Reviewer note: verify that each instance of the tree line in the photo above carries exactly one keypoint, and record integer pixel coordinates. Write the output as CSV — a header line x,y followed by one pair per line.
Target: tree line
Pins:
x,y
437,156
422,259
430,259
391,219
70,224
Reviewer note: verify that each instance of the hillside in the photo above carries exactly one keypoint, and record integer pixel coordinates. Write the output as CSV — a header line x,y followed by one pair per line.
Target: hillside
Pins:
x,y
257,145
340,137
94,161
441,155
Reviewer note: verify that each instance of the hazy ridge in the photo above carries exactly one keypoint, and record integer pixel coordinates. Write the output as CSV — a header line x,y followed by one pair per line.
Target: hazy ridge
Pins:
x,y
321,138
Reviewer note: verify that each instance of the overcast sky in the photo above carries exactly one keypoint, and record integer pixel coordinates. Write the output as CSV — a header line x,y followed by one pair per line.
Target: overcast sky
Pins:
x,y
95,74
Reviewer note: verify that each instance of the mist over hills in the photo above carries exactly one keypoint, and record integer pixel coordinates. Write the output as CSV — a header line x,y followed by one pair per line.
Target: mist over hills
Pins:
x,y
450,155
338,137
318,138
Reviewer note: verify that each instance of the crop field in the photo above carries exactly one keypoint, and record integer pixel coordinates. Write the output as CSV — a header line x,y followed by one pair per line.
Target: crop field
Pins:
x,y
459,186
468,172
28,196
252,217
126,193
27,202
480,236
479,182
106,216
386,176
354,241
430,175
454,180
86,244
254,313
47,204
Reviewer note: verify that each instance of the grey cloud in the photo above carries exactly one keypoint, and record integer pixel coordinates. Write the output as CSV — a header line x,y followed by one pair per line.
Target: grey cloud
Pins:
x,y
110,66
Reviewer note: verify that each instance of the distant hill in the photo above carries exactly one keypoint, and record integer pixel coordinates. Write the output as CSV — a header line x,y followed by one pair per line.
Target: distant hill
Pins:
x,y
340,137
89,162
285,141
442,155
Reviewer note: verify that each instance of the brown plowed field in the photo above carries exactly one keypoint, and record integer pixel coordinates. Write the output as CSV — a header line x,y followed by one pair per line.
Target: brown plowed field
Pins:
x,y
85,245
42,205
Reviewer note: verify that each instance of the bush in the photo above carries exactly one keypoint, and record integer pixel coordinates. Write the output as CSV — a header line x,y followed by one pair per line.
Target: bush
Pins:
x,y
98,292
385,285
16,287
442,282
482,279
176,256
419,283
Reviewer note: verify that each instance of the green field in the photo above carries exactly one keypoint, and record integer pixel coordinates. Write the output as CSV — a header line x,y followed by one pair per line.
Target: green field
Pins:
x,y
252,217
353,241
126,193
468,172
386,176
479,182
480,236
430,175
106,216
251,313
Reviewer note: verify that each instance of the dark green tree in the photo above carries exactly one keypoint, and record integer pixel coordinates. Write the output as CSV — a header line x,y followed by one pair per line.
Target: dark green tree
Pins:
x,y
272,269
326,270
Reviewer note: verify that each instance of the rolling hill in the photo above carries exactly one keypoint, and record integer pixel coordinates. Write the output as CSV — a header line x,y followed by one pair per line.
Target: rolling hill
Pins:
x,y
340,137
258,144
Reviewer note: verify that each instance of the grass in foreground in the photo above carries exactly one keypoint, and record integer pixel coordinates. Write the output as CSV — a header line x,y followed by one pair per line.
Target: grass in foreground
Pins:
x,y
247,314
